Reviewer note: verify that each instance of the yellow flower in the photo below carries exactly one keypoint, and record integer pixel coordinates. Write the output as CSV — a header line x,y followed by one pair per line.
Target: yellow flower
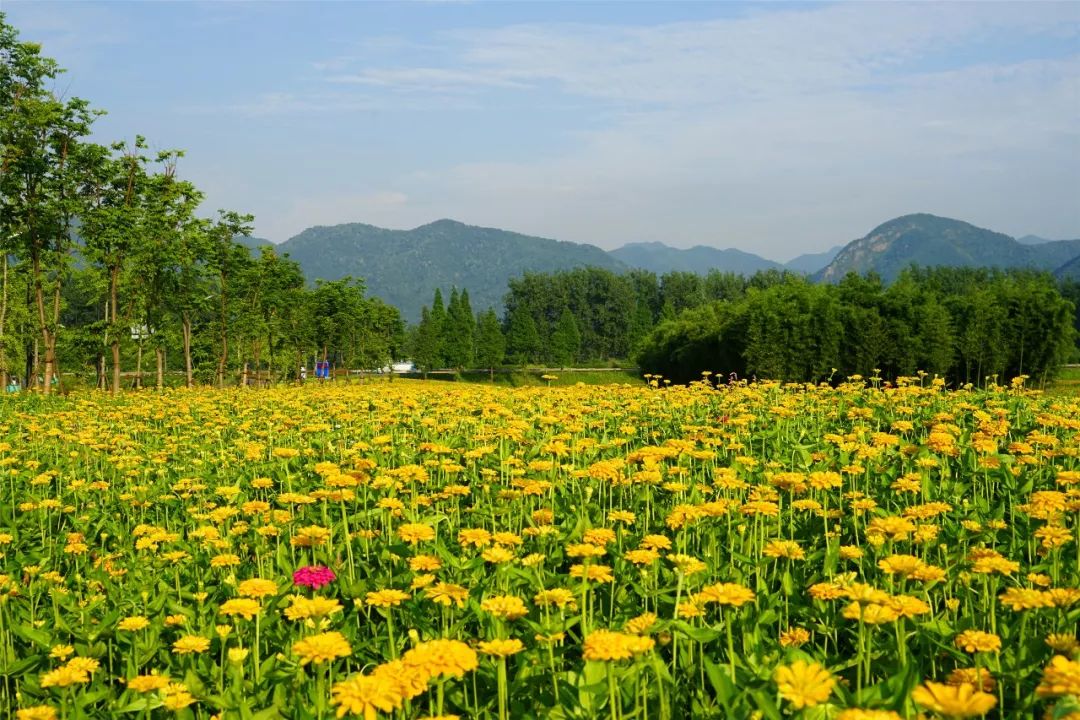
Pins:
x,y
794,637
641,624
477,537
447,594
321,648
786,549
147,683
244,607
501,648
978,677
609,645
425,563
365,696
871,614
803,684
191,644
303,608
177,700
386,598
505,607
954,701
731,594
256,588
687,564
496,555
64,676
596,573
414,533
36,712
974,641
82,664
1065,643
133,623
442,658
60,652
310,536
860,714
224,560
559,597
1060,677
237,655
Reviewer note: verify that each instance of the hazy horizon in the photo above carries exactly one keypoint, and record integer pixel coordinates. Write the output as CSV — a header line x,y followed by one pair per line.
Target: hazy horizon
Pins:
x,y
777,129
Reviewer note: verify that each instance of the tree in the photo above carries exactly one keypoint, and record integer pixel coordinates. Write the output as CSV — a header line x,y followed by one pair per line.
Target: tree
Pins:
x,y
225,258
438,319
425,349
40,136
522,339
566,340
114,225
490,343
170,205
458,338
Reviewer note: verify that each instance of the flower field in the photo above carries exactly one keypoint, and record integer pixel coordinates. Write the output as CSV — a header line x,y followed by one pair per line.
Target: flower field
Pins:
x,y
412,550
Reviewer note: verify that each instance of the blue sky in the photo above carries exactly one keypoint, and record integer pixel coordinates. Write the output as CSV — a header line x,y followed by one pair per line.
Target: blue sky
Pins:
x,y
775,128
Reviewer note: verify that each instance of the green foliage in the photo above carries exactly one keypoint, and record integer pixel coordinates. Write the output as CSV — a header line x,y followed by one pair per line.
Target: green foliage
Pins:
x,y
102,250
565,340
490,343
965,325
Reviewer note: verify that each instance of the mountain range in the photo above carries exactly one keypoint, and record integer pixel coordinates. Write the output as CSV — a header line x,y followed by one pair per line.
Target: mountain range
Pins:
x,y
403,267
929,240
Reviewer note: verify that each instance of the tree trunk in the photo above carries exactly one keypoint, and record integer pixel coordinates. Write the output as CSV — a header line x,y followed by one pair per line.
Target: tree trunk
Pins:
x,y
244,375
186,327
114,292
46,334
138,367
36,364
224,338
159,352
4,374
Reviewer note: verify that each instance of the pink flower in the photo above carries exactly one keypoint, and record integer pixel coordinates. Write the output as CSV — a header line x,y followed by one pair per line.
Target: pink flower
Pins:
x,y
313,576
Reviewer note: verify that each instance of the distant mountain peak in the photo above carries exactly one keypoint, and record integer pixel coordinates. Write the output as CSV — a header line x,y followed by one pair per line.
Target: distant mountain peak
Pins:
x,y
660,258
403,267
443,224
930,240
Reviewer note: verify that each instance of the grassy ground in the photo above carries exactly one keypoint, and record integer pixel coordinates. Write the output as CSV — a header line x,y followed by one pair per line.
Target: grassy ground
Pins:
x,y
529,377
1067,382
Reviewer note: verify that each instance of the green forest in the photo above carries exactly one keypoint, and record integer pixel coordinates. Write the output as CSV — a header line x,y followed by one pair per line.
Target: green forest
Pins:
x,y
963,324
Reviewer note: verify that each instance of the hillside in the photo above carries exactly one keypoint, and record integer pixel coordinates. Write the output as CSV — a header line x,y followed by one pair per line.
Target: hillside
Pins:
x,y
1069,271
929,240
810,263
659,258
403,267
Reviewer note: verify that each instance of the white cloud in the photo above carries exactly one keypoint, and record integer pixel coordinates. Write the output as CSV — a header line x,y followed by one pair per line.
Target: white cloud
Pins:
x,y
779,132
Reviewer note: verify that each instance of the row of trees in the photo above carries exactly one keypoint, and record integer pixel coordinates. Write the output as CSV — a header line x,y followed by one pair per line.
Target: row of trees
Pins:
x,y
452,336
962,324
104,256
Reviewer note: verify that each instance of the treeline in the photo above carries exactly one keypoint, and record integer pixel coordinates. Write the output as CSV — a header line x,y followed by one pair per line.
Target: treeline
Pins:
x,y
963,324
105,258
581,316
